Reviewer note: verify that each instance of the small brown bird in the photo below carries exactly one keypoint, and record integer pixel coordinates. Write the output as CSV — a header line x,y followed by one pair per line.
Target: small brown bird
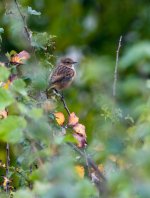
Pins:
x,y
63,75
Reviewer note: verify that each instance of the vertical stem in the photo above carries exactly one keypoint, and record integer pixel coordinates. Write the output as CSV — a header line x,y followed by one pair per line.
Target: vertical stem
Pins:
x,y
7,165
116,67
27,31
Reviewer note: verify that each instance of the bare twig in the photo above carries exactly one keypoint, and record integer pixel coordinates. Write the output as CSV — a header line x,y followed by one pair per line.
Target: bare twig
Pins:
x,y
116,67
7,165
23,21
27,31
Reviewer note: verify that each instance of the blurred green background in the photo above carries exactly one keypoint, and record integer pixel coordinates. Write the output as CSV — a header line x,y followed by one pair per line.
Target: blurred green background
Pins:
x,y
89,31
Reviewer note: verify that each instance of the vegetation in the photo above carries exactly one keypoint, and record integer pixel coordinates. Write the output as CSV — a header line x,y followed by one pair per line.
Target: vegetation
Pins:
x,y
94,140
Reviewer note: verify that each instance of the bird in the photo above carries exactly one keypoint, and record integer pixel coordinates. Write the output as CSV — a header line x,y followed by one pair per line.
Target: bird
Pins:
x,y
63,75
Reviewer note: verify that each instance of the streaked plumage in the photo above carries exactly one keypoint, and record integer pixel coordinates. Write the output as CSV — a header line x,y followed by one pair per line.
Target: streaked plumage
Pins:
x,y
63,74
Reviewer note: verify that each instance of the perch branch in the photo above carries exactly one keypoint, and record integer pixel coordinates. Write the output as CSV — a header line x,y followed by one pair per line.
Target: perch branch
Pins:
x,y
116,67
62,100
64,103
101,181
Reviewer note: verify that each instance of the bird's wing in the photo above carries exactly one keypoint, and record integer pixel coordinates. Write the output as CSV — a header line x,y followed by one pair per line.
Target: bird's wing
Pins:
x,y
61,73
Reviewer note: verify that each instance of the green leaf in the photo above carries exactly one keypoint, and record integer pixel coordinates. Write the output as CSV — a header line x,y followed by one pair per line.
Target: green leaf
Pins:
x,y
70,138
33,12
42,40
23,194
5,98
11,128
36,113
1,30
19,86
136,53
4,73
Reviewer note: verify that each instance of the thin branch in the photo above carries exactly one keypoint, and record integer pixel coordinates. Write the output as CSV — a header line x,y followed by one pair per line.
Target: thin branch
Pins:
x,y
64,103
62,100
87,164
88,160
27,31
23,21
7,165
116,67
101,182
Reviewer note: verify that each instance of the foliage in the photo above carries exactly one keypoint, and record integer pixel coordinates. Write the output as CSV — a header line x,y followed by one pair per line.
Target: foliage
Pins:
x,y
47,147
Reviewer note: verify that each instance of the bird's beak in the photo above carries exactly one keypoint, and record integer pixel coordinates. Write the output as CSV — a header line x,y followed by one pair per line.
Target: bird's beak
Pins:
x,y
74,62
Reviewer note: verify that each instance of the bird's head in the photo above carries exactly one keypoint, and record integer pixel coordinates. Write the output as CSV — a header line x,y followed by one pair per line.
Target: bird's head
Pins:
x,y
68,61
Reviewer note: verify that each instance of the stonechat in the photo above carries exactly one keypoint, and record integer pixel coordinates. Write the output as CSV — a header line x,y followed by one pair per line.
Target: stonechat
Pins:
x,y
63,75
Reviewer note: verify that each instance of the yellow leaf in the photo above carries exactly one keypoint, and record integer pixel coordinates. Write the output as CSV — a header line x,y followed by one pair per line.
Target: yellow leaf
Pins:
x,y
7,84
60,118
6,182
101,168
80,171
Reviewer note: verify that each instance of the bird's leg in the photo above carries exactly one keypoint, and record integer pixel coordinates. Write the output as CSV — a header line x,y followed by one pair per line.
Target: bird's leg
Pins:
x,y
56,92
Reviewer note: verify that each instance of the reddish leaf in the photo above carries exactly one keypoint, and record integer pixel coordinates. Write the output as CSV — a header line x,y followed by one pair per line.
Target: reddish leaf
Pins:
x,y
3,114
81,140
73,119
80,129
20,58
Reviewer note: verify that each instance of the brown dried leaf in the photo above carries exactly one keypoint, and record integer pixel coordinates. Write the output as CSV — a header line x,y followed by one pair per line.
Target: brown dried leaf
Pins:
x,y
73,119
20,58
60,118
